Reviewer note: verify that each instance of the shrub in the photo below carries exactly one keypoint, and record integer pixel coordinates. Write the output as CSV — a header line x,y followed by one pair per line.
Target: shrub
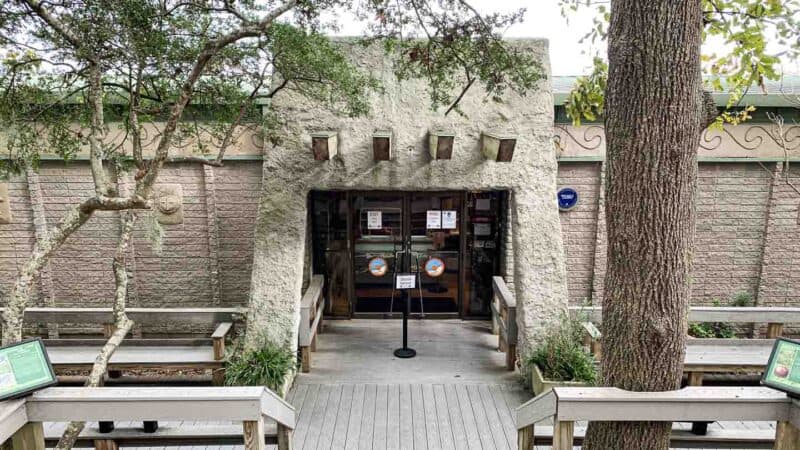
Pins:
x,y
266,366
561,356
720,329
742,299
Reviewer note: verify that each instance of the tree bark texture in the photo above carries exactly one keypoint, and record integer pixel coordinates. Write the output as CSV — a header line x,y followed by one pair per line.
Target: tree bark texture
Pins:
x,y
122,325
655,112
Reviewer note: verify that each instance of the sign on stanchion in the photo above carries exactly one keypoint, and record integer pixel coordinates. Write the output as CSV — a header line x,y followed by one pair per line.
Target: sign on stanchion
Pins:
x,y
405,282
24,368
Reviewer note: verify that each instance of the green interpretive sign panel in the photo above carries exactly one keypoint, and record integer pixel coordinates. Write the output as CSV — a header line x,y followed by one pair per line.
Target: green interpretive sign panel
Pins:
x,y
24,368
783,368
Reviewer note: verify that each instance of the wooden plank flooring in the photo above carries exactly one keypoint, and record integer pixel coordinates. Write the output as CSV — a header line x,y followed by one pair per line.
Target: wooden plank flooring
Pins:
x,y
406,416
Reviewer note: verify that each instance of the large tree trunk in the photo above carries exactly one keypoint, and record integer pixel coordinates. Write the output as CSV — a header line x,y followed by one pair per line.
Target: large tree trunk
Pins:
x,y
655,112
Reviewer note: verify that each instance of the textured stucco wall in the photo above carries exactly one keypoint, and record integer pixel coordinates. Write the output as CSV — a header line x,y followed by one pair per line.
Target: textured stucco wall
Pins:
x,y
290,172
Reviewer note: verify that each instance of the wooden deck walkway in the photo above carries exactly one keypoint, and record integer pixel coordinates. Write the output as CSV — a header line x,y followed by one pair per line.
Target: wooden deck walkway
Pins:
x,y
456,394
406,416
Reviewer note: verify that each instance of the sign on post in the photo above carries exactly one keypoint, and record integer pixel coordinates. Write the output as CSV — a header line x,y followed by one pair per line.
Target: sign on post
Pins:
x,y
24,368
783,368
405,281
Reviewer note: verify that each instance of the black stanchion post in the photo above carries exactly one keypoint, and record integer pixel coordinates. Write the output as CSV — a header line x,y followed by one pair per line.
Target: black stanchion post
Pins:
x,y
406,352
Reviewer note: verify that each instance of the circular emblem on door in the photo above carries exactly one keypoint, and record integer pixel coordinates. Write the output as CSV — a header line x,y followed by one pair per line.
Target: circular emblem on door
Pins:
x,y
434,267
377,267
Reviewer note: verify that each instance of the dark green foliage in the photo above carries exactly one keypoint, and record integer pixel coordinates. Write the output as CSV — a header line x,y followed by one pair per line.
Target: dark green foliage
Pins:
x,y
145,51
755,37
720,329
561,355
266,366
742,299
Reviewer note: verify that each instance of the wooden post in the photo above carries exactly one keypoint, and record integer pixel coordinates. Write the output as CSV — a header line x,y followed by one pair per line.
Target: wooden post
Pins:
x,y
105,444
305,359
597,349
787,437
284,438
563,435
774,330
695,378
218,374
29,437
495,320
254,434
525,438
511,357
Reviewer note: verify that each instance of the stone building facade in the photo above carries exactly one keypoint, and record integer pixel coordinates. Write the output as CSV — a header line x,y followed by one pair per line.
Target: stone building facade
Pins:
x,y
747,236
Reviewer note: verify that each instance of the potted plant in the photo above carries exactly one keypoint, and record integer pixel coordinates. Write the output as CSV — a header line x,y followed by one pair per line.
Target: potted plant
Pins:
x,y
560,360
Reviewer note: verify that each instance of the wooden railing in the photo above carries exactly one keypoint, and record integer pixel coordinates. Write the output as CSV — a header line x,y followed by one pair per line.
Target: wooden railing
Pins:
x,y
311,307
565,406
504,320
192,316
21,420
774,317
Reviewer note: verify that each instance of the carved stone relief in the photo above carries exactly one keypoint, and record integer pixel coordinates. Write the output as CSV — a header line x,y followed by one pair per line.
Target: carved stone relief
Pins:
x,y
168,201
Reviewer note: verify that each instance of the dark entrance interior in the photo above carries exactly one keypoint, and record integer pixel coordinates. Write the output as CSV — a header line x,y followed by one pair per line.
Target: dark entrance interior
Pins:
x,y
451,240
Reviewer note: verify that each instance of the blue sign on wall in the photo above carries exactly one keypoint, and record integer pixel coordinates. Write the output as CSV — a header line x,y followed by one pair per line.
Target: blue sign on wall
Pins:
x,y
567,198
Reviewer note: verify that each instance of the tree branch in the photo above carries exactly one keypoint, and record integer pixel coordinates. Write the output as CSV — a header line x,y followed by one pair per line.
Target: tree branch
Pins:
x,y
122,325
54,23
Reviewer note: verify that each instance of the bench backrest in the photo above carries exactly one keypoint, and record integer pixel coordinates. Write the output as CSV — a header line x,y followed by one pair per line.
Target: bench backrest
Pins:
x,y
730,314
193,316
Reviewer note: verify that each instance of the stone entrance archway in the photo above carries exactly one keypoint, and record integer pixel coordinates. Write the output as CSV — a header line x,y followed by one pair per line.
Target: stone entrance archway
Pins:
x,y
291,172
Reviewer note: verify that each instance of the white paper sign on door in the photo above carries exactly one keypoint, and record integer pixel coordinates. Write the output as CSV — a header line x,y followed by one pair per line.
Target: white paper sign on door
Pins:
x,y
449,220
405,281
434,220
374,220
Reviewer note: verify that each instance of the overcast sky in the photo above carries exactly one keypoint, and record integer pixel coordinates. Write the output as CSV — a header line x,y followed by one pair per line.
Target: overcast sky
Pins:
x,y
543,19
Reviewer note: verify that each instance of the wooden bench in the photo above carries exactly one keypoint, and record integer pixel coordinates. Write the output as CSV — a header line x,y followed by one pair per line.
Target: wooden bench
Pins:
x,y
312,306
504,320
566,406
136,353
264,416
706,355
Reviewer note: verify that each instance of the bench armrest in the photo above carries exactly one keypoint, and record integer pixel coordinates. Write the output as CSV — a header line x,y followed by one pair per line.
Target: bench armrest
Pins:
x,y
591,330
218,339
592,338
